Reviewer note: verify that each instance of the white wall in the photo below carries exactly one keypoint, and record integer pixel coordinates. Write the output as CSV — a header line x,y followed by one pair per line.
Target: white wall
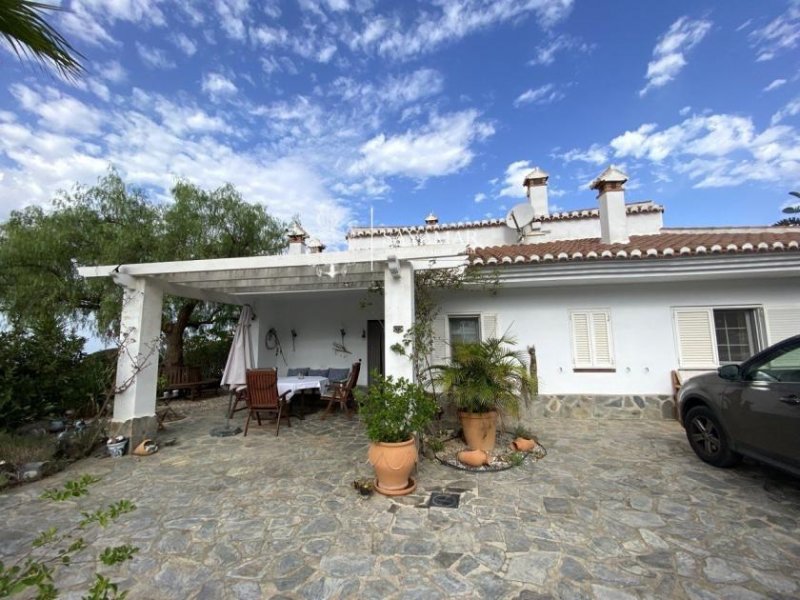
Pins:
x,y
641,324
499,235
317,317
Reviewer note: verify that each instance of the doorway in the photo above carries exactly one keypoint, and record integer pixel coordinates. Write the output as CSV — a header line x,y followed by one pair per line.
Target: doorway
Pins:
x,y
375,341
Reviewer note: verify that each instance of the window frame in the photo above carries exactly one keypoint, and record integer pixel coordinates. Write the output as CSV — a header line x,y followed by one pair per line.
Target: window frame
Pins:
x,y
477,316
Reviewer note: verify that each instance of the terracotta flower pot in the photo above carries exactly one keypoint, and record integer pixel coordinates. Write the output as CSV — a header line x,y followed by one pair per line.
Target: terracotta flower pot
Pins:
x,y
393,463
480,429
523,444
473,458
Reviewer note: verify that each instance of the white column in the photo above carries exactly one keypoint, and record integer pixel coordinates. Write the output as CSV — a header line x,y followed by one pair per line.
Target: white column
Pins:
x,y
137,365
398,314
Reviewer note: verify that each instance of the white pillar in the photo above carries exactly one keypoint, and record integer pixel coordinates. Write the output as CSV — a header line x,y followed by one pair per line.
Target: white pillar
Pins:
x,y
137,365
398,314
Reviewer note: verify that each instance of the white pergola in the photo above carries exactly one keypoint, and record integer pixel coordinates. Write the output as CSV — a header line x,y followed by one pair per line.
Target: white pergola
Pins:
x,y
239,281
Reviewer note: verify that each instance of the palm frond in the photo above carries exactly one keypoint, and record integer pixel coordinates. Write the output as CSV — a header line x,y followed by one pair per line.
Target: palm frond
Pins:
x,y
23,26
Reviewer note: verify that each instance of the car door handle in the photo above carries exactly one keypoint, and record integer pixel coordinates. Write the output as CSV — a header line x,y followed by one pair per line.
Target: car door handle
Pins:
x,y
792,399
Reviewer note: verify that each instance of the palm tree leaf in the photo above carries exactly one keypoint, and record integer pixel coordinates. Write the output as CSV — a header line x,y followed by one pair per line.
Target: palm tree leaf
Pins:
x,y
23,26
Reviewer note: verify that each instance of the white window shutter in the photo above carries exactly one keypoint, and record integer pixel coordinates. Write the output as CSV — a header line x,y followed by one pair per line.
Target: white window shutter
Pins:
x,y
581,340
440,354
782,322
488,326
601,337
697,348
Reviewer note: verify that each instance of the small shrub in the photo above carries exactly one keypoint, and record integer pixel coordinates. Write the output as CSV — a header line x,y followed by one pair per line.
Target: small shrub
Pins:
x,y
523,432
394,409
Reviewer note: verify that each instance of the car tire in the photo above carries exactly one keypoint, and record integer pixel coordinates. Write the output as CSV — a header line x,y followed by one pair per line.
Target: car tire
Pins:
x,y
708,439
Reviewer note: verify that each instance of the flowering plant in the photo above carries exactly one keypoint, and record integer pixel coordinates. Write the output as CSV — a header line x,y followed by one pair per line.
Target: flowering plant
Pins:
x,y
394,409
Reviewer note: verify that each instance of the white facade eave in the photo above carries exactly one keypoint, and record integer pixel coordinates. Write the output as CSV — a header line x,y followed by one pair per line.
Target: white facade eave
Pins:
x,y
647,270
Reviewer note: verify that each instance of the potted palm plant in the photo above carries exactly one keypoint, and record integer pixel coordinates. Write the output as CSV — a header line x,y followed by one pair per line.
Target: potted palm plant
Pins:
x,y
482,379
393,410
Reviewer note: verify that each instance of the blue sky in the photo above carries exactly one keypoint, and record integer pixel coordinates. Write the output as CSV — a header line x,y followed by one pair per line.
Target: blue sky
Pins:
x,y
325,109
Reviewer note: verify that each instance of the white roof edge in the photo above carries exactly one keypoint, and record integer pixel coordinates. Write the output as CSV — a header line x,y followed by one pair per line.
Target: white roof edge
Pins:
x,y
275,260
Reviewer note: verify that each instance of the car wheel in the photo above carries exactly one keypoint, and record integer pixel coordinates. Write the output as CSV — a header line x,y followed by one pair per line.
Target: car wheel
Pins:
x,y
707,438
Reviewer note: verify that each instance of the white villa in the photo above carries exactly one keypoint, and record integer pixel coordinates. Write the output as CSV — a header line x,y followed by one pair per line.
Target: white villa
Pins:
x,y
610,301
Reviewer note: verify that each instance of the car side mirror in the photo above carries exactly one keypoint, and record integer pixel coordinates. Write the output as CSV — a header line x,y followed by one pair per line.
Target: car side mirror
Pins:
x,y
730,372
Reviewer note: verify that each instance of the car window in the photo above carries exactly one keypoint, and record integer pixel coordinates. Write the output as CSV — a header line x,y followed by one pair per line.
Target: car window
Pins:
x,y
783,367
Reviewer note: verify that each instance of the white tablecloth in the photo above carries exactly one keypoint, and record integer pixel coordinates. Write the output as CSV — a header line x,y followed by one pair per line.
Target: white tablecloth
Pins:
x,y
295,384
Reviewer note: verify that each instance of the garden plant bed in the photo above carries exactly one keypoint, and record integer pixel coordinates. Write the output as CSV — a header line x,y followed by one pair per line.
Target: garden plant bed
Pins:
x,y
503,457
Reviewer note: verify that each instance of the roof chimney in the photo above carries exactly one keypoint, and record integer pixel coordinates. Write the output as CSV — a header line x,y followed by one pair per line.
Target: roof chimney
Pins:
x,y
431,219
611,195
315,246
536,182
297,239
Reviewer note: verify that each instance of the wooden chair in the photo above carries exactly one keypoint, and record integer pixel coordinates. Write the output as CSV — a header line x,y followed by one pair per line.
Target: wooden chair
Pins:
x,y
342,392
262,396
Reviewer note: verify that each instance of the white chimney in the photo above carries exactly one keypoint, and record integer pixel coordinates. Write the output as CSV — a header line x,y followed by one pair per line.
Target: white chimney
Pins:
x,y
431,219
297,239
314,246
611,196
536,182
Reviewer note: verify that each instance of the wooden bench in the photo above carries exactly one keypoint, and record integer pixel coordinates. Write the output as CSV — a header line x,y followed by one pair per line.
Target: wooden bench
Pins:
x,y
188,378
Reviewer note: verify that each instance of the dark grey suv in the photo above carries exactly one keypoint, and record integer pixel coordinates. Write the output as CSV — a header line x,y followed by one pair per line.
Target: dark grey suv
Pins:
x,y
750,409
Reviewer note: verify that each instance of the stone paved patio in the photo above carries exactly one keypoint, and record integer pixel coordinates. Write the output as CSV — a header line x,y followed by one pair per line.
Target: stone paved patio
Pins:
x,y
619,509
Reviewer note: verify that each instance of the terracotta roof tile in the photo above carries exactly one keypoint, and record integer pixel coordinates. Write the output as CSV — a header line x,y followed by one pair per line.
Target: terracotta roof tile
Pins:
x,y
667,244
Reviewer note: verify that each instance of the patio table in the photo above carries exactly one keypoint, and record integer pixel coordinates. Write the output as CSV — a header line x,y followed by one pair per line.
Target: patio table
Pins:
x,y
295,384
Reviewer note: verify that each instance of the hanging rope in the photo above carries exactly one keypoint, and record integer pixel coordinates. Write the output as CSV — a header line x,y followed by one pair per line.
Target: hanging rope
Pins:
x,y
273,342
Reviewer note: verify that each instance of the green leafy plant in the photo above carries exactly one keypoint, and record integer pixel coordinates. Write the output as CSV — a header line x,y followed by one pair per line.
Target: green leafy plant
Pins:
x,y
520,431
435,444
485,376
34,572
394,409
516,458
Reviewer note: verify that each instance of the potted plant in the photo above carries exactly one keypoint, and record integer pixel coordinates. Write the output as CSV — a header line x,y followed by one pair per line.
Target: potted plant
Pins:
x,y
393,410
482,379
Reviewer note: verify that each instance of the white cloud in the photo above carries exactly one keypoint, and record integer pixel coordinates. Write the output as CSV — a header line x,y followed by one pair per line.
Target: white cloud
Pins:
x,y
669,53
151,142
112,71
232,15
776,83
57,111
453,20
87,19
442,147
217,85
542,95
186,45
479,197
713,150
790,110
154,57
780,35
595,154
513,178
546,53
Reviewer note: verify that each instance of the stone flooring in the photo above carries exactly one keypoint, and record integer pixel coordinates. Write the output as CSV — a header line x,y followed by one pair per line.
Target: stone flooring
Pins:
x,y
618,509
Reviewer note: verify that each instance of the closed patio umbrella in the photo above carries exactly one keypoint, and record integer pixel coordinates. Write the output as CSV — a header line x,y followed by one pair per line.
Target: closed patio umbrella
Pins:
x,y
240,358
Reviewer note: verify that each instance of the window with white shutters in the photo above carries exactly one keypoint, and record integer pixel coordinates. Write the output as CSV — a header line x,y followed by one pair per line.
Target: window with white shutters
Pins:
x,y
592,346
707,337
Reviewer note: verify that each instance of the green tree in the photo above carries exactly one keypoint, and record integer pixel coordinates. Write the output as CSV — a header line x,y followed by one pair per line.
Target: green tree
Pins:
x,y
112,223
789,222
23,26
